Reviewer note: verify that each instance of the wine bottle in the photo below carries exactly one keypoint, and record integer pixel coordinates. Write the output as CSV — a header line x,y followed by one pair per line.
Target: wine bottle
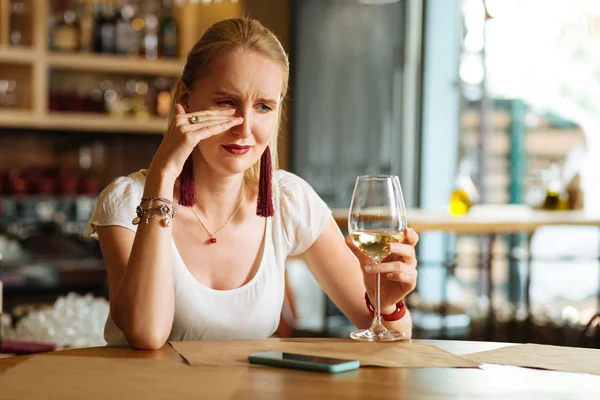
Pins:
x,y
66,31
126,37
86,42
168,32
149,47
464,194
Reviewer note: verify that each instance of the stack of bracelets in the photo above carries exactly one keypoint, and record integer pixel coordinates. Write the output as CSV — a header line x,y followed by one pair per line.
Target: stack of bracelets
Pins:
x,y
166,210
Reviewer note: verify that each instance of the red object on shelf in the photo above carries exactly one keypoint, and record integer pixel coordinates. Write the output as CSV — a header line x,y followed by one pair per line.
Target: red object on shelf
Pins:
x,y
24,347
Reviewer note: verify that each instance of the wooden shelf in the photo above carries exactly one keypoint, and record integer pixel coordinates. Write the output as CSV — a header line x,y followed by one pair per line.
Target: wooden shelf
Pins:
x,y
17,55
15,118
81,122
115,64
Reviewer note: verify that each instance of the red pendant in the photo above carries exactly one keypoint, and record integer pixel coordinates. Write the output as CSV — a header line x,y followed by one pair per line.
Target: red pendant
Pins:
x,y
213,240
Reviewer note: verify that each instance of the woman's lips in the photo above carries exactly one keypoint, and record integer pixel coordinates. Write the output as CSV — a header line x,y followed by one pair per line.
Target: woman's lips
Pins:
x,y
236,149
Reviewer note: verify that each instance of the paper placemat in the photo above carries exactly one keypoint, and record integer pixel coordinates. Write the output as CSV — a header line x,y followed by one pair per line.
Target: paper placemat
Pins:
x,y
558,358
72,377
399,354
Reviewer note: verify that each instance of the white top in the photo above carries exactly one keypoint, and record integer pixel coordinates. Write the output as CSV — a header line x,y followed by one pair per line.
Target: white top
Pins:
x,y
251,311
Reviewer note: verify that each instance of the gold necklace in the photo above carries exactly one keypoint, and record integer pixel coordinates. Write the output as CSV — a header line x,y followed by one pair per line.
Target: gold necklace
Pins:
x,y
213,238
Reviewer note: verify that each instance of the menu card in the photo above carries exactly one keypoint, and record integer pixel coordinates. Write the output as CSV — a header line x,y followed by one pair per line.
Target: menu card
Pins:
x,y
398,354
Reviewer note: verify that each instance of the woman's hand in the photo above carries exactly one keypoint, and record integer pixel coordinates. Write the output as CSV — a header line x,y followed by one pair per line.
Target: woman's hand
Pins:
x,y
183,136
398,271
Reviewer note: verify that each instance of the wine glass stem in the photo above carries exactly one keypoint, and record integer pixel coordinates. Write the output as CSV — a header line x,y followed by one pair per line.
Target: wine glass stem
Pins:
x,y
377,326
378,299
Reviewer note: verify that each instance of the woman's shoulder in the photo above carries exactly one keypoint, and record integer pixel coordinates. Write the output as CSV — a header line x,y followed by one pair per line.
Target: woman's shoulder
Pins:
x,y
303,213
117,202
290,183
127,184
296,195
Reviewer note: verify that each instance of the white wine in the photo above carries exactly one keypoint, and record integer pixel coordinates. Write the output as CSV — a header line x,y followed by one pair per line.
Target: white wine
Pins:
x,y
375,244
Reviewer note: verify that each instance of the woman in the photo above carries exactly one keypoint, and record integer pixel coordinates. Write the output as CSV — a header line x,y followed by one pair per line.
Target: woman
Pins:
x,y
204,257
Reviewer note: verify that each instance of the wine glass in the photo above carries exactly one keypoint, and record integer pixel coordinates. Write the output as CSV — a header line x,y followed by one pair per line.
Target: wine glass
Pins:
x,y
377,218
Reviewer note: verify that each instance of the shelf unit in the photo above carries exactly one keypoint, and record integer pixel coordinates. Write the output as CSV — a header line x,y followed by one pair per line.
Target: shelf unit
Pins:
x,y
33,64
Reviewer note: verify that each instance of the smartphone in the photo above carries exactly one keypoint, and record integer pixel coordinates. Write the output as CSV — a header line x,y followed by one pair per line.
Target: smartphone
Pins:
x,y
303,361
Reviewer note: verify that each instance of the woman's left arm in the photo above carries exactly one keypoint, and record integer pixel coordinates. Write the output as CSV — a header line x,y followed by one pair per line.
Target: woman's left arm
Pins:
x,y
344,273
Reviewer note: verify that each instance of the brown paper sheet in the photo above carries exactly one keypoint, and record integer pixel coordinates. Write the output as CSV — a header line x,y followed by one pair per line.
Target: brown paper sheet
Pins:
x,y
558,358
72,377
401,354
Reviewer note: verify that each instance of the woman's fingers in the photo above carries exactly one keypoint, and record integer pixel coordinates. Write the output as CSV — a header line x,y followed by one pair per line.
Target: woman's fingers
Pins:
x,y
216,128
411,237
179,109
188,128
184,119
406,251
357,253
395,271
386,267
404,277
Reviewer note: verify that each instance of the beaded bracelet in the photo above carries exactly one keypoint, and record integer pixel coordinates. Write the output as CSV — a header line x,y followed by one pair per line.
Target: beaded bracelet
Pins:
x,y
165,210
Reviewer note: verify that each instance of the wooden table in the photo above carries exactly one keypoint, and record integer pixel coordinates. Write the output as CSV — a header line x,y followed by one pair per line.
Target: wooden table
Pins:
x,y
490,381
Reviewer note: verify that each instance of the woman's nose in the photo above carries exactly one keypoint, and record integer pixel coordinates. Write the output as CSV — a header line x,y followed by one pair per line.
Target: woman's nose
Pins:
x,y
243,129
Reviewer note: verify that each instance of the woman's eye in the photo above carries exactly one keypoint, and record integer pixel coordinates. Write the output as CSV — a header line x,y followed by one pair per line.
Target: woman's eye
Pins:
x,y
264,108
225,103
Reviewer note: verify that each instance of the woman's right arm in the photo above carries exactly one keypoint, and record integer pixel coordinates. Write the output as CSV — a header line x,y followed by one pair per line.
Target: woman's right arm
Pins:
x,y
140,274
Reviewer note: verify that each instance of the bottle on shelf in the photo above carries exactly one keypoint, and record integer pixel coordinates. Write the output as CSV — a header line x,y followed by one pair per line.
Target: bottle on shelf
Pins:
x,y
464,194
66,31
104,28
86,40
557,197
138,92
8,93
168,41
18,23
163,97
149,48
127,38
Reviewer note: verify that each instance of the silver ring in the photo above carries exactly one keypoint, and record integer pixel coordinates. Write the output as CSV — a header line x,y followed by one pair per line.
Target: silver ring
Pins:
x,y
194,119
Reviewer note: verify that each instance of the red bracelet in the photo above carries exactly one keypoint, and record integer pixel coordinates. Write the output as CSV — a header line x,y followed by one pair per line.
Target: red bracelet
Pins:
x,y
395,316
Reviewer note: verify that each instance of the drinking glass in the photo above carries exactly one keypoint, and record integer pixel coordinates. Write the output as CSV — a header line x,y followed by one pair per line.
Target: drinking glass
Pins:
x,y
377,217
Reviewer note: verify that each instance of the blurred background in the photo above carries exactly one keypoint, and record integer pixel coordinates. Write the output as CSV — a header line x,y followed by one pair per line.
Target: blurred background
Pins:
x,y
487,110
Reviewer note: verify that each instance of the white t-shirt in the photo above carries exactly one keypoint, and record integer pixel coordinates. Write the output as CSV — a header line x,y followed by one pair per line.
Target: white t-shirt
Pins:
x,y
250,311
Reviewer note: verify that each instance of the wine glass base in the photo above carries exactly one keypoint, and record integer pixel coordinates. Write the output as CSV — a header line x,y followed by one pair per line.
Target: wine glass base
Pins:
x,y
388,335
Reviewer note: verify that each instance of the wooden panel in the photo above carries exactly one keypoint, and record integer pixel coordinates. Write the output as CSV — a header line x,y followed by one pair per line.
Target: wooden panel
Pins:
x,y
4,22
115,64
40,68
16,55
81,122
194,19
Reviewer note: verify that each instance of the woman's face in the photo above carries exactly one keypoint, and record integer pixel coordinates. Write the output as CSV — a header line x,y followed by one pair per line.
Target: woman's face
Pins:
x,y
251,84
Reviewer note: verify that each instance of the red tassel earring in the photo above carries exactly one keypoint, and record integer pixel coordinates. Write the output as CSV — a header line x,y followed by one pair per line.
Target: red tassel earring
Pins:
x,y
264,205
187,187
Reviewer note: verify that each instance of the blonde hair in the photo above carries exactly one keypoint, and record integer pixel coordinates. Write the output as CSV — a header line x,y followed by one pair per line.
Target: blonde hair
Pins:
x,y
230,36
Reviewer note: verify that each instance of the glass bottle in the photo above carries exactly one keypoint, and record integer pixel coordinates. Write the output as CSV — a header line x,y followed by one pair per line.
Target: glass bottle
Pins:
x,y
86,12
168,32
464,194
557,197
66,31
18,13
149,47
127,39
